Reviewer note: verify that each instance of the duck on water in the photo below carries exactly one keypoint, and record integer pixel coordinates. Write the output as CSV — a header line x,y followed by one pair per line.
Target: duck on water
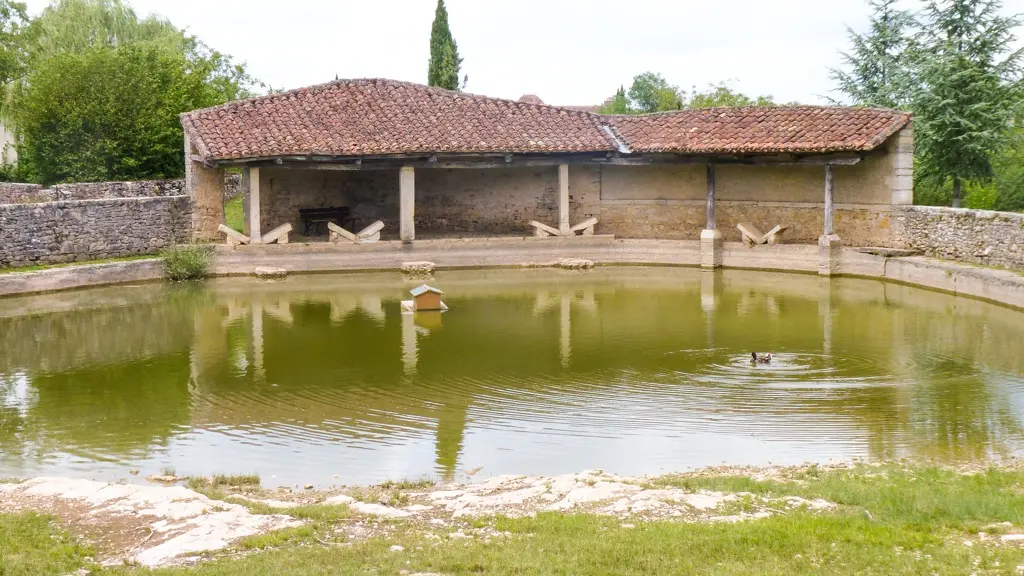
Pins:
x,y
756,358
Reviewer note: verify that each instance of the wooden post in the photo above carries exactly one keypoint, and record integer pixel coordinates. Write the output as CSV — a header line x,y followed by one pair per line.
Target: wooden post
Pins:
x,y
407,204
711,197
563,199
255,234
829,207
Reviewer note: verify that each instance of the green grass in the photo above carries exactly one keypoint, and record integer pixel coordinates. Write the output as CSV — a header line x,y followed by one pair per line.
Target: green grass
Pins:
x,y
30,544
82,263
890,520
409,484
233,215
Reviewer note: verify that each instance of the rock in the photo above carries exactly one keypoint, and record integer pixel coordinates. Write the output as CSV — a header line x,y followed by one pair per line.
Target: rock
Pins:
x,y
269,272
181,522
339,500
1012,537
134,472
308,486
162,479
574,264
397,548
418,268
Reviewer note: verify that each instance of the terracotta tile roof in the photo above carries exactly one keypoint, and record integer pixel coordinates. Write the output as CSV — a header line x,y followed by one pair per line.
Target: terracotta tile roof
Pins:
x,y
371,117
761,129
385,117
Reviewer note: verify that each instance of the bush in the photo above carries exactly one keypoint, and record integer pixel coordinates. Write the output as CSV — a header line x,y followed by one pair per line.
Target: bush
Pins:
x,y
187,261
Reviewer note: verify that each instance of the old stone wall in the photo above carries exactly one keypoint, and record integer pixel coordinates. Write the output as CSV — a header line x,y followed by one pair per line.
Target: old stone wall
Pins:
x,y
448,201
976,236
75,230
19,193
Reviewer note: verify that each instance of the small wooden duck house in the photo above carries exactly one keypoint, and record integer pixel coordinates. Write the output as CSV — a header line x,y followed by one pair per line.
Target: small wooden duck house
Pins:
x,y
425,298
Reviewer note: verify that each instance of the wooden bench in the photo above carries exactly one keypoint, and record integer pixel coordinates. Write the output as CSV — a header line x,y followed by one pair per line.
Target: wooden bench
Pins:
x,y
316,219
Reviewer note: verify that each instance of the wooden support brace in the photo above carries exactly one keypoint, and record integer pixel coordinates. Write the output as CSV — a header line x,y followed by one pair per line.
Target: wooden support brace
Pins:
x,y
336,233
774,236
587,226
750,234
543,229
234,237
371,233
279,234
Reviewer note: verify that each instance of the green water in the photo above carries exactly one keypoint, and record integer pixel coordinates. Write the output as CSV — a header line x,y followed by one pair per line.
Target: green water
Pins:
x,y
321,379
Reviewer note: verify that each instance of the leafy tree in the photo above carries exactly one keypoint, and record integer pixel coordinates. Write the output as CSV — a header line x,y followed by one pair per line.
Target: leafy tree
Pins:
x,y
877,69
110,113
618,104
445,63
721,95
969,93
650,92
12,21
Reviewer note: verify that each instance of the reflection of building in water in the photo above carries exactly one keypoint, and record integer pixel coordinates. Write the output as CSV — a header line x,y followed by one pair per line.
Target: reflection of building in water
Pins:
x,y
334,368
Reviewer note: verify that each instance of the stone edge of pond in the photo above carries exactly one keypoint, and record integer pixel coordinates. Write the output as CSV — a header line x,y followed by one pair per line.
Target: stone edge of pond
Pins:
x,y
999,286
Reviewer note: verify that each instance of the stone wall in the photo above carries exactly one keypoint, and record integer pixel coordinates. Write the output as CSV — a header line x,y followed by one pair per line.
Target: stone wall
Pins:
x,y
76,230
19,193
976,236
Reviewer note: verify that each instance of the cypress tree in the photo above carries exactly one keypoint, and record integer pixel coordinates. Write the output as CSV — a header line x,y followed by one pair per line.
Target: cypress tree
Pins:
x,y
444,66
970,91
877,71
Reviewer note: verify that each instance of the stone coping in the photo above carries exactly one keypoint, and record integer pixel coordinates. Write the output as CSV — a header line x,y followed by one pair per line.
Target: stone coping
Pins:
x,y
994,285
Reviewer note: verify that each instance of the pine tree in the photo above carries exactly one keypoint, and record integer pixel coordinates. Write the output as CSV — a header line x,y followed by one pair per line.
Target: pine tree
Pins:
x,y
969,93
618,104
444,66
877,71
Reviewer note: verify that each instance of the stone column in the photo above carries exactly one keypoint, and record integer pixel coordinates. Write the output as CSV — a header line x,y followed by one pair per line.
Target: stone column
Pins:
x,y
563,199
711,244
829,246
255,231
205,188
407,204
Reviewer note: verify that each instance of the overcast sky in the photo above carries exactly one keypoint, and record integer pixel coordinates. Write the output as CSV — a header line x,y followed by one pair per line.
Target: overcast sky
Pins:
x,y
565,51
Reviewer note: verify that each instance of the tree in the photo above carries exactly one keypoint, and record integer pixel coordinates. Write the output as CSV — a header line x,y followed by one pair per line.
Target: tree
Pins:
x,y
877,71
618,104
721,95
445,63
12,21
650,92
110,113
969,92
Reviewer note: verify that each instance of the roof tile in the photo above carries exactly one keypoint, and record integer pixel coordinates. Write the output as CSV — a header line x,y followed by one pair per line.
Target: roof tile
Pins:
x,y
384,117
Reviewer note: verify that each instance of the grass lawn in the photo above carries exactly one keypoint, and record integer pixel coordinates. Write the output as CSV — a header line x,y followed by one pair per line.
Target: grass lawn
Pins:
x,y
66,264
233,216
890,520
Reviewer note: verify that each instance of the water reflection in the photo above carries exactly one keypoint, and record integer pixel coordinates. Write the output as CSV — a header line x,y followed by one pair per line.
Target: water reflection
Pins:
x,y
632,370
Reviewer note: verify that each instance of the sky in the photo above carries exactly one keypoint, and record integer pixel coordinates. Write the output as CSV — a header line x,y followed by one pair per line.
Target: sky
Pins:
x,y
567,52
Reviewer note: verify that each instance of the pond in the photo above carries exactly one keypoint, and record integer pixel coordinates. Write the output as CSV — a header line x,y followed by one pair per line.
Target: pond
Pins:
x,y
321,379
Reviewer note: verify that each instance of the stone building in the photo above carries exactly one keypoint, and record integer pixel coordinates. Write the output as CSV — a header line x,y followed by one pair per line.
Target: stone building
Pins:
x,y
431,163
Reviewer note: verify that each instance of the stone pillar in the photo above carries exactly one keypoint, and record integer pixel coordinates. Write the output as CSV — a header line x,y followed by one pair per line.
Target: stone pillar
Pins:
x,y
255,228
829,246
901,182
563,199
205,188
407,204
712,248
244,191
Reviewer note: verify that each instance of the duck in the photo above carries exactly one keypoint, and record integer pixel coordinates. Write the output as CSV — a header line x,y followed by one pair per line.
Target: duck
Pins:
x,y
760,359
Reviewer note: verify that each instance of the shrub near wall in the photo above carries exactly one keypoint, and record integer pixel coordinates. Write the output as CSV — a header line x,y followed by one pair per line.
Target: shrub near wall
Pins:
x,y
975,236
